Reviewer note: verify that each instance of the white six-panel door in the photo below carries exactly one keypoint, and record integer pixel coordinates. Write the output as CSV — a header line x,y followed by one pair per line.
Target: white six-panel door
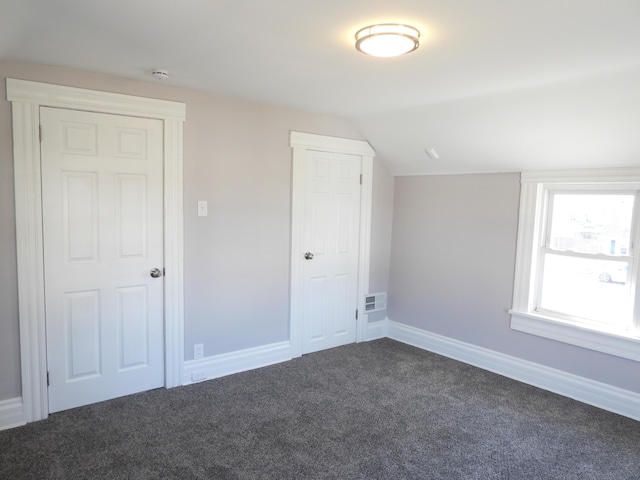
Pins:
x,y
331,238
102,222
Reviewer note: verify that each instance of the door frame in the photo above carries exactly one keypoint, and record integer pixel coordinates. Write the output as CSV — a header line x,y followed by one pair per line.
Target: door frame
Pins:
x,y
26,98
300,143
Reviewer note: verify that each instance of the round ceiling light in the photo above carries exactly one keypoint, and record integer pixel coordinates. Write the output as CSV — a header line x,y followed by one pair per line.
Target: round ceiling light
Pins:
x,y
387,39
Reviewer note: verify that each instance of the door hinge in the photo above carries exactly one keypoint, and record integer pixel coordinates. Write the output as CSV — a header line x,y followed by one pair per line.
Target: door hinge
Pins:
x,y
164,271
360,179
356,313
40,132
47,379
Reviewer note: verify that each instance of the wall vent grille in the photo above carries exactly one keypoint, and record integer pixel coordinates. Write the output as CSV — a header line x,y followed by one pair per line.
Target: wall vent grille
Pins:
x,y
375,302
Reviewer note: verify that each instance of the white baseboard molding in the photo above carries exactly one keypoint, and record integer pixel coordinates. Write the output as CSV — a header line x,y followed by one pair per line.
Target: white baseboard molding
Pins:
x,y
601,395
11,413
235,362
376,330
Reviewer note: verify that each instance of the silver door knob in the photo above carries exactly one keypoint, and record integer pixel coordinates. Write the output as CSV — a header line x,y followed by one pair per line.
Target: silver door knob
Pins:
x,y
155,273
308,256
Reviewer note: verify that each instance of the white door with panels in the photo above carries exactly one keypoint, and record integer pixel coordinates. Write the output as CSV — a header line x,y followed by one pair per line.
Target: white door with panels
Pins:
x,y
102,196
331,243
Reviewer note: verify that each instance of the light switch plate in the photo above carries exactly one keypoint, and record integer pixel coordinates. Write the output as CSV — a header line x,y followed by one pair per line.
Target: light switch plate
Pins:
x,y
202,208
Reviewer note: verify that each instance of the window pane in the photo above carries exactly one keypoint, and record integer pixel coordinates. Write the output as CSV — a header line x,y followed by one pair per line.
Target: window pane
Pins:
x,y
592,289
591,223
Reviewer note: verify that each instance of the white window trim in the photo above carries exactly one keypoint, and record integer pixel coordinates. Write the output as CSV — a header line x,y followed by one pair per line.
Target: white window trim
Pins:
x,y
524,318
26,98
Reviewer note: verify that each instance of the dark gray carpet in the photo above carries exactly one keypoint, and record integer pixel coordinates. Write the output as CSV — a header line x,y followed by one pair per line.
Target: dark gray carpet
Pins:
x,y
378,410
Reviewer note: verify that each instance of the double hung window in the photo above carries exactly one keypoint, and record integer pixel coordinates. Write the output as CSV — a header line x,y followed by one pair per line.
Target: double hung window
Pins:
x,y
577,265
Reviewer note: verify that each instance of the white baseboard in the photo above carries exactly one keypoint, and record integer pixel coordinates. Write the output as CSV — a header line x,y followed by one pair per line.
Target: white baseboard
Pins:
x,y
239,361
607,397
11,413
376,330
235,362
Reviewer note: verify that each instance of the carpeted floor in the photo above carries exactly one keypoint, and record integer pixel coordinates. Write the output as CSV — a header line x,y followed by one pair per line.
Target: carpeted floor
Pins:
x,y
377,410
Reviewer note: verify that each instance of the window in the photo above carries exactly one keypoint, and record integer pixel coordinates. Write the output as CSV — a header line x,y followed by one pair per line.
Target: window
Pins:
x,y
576,265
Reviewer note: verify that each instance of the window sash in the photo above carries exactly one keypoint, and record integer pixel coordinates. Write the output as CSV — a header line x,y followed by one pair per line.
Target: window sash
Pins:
x,y
622,320
544,249
551,192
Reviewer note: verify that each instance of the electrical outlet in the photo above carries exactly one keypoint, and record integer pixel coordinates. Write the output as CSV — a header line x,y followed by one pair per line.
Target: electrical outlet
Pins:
x,y
198,351
198,376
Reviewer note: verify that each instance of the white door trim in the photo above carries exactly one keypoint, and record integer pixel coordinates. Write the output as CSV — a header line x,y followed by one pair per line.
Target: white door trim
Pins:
x,y
27,97
300,143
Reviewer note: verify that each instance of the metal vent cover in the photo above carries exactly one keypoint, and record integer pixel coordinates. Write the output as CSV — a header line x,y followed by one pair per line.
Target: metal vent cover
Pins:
x,y
375,302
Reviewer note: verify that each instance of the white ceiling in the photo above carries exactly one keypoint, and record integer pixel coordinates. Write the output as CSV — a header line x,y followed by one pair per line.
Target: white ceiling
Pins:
x,y
495,86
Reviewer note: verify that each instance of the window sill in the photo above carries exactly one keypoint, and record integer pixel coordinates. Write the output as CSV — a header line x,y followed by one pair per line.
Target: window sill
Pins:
x,y
620,345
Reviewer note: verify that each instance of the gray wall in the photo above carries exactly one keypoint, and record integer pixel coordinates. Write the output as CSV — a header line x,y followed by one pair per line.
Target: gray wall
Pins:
x,y
9,333
452,270
236,156
381,218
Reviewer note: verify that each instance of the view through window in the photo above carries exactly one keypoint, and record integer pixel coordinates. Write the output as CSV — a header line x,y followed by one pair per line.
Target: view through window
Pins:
x,y
585,263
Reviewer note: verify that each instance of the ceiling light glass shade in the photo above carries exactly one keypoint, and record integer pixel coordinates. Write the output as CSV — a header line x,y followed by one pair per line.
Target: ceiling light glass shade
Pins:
x,y
387,39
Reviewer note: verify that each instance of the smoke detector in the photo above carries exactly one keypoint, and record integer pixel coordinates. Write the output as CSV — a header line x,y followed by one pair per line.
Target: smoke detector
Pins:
x,y
160,74
432,153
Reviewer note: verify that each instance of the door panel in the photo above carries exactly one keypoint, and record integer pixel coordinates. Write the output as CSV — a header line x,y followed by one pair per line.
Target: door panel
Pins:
x,y
103,232
131,218
133,322
82,322
331,234
80,216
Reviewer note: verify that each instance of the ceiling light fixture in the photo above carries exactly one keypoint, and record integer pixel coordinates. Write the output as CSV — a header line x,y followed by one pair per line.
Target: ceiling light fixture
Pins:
x,y
387,39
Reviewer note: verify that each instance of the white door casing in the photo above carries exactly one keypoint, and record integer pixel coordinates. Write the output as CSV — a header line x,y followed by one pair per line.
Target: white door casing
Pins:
x,y
102,228
308,149
27,97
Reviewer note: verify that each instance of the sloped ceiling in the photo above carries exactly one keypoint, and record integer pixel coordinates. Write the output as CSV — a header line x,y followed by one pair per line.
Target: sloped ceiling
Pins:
x,y
495,86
